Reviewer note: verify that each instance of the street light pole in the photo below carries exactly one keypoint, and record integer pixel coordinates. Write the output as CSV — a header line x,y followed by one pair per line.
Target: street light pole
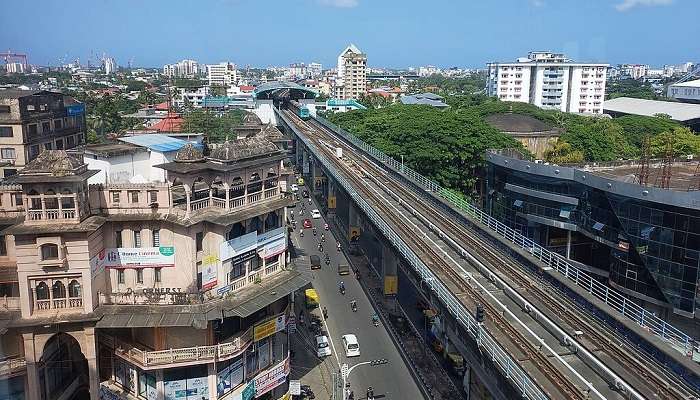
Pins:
x,y
402,163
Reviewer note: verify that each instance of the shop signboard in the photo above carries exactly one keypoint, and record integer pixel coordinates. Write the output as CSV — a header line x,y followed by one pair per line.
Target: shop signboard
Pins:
x,y
274,248
269,328
230,377
270,236
239,245
135,257
75,109
210,265
294,387
249,391
271,378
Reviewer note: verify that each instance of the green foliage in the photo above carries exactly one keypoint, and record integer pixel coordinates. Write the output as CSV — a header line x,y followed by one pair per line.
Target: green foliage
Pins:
x,y
188,83
636,127
631,88
563,153
449,86
215,127
374,100
684,142
217,91
599,139
322,97
446,146
135,86
105,114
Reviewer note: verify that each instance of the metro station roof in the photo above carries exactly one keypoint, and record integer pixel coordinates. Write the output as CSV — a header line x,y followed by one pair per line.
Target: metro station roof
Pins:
x,y
274,89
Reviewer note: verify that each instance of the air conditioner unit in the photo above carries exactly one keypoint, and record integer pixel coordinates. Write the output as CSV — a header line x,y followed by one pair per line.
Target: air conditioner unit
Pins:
x,y
539,161
689,157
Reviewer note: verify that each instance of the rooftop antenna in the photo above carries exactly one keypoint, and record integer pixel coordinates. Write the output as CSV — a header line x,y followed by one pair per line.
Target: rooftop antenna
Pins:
x,y
643,173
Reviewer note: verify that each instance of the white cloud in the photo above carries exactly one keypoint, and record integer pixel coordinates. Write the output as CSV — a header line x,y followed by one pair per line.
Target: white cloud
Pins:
x,y
629,4
339,3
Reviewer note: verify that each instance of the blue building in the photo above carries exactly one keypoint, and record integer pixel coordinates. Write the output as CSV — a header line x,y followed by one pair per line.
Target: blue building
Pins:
x,y
642,240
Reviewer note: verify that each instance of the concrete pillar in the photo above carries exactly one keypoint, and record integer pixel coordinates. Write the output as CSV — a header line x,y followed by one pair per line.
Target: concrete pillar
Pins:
x,y
33,392
389,271
568,245
91,357
466,381
212,382
354,222
305,162
160,386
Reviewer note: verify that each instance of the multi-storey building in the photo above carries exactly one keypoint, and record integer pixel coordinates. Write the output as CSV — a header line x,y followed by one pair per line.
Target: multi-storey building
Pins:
x,y
32,121
351,82
182,69
297,70
222,74
550,80
15,68
147,291
109,65
314,70
190,96
633,71
687,92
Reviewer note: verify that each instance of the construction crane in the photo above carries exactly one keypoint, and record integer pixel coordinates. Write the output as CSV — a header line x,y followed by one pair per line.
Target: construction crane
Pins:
x,y
10,57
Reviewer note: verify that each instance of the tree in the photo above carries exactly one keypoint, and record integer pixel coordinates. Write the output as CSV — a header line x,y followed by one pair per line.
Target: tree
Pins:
x,y
684,142
217,90
373,100
598,139
563,153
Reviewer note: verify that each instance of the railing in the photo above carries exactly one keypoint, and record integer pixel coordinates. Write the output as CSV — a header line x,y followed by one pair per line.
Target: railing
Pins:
x,y
52,214
10,303
252,278
12,364
75,302
252,198
511,369
35,215
43,304
204,354
220,203
68,214
199,204
271,192
616,300
272,268
59,303
239,284
237,202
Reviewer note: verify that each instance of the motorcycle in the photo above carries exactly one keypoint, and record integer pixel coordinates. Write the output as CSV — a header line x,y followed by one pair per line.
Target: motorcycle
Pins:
x,y
342,289
375,320
323,238
314,231
320,247
301,233
307,393
325,227
328,261
337,247
353,306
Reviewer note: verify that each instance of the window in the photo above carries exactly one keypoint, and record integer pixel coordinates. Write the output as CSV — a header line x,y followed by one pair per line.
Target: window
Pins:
x,y
18,196
74,289
58,124
42,291
32,129
33,151
4,109
59,144
199,239
80,139
49,251
58,290
157,275
134,196
70,141
137,238
121,279
3,246
5,131
153,196
45,127
139,275
115,197
48,146
8,153
30,107
118,238
147,385
156,237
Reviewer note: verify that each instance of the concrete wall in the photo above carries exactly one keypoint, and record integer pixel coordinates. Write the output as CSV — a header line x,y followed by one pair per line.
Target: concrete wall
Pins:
x,y
119,169
265,111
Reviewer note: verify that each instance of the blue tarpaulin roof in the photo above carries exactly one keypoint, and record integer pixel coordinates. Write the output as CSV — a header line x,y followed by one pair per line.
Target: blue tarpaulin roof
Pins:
x,y
158,142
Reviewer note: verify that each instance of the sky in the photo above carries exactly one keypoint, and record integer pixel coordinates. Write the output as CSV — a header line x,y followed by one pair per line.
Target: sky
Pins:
x,y
393,33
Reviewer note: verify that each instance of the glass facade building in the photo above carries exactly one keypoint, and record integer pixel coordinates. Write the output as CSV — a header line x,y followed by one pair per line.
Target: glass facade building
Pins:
x,y
644,241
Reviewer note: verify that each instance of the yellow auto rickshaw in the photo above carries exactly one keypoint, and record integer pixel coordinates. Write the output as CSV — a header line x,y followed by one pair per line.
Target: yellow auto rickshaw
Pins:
x,y
311,297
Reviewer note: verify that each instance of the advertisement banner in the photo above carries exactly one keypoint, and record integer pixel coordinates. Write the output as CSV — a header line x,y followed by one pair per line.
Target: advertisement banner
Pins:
x,y
271,378
230,377
269,328
271,236
198,388
274,248
263,351
210,265
175,390
391,285
241,244
75,109
136,257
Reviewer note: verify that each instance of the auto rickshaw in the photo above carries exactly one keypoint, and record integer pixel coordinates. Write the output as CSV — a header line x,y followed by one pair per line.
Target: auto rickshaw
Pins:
x,y
311,297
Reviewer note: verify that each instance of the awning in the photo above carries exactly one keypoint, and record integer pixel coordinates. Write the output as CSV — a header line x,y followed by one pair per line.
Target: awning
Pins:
x,y
518,203
141,320
565,213
266,296
598,226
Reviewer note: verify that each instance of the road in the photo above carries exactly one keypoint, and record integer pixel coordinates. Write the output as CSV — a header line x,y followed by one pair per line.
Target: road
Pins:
x,y
390,381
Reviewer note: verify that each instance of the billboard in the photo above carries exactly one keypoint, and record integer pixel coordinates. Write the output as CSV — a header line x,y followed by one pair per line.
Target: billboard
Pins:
x,y
269,328
210,265
134,257
271,378
391,285
75,109
239,245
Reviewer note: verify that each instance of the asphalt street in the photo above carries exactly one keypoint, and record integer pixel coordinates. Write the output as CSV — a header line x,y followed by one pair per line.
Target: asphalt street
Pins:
x,y
390,381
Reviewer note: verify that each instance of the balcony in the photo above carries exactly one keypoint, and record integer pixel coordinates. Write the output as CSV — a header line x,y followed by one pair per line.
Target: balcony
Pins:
x,y
12,366
225,200
51,208
151,359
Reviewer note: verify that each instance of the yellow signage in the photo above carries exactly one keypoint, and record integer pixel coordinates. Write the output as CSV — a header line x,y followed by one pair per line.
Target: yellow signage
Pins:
x,y
268,328
331,201
391,285
210,259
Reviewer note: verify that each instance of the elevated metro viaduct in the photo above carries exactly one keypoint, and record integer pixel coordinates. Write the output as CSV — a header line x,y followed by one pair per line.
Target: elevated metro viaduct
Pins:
x,y
381,253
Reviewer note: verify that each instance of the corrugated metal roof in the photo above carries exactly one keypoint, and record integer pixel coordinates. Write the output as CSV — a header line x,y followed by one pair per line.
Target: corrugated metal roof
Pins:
x,y
422,101
677,111
694,83
157,142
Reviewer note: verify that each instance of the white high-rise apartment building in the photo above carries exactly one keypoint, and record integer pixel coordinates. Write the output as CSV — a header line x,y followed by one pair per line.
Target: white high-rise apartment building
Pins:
x,y
314,70
222,74
352,74
15,68
182,69
550,80
109,65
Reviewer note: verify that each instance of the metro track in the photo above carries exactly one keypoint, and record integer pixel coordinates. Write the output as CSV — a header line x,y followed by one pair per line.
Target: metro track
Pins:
x,y
503,272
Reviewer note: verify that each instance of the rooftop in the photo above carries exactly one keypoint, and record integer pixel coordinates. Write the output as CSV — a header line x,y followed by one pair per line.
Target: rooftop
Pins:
x,y
112,149
693,83
678,111
16,93
157,142
429,99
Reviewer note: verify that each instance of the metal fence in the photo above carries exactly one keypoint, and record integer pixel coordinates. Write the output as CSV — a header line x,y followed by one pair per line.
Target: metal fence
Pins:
x,y
616,300
511,369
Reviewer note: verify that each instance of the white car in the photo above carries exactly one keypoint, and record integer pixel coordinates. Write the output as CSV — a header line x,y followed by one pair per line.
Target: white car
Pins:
x,y
323,349
295,188
352,348
315,214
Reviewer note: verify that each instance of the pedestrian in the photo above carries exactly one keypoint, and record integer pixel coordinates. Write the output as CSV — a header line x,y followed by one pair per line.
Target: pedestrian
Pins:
x,y
301,317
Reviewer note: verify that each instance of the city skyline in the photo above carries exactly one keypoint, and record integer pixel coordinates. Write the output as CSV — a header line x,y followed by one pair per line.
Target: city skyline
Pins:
x,y
440,35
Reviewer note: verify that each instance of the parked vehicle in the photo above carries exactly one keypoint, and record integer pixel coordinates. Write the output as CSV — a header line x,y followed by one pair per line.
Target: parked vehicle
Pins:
x,y
294,188
305,194
300,181
311,297
323,348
